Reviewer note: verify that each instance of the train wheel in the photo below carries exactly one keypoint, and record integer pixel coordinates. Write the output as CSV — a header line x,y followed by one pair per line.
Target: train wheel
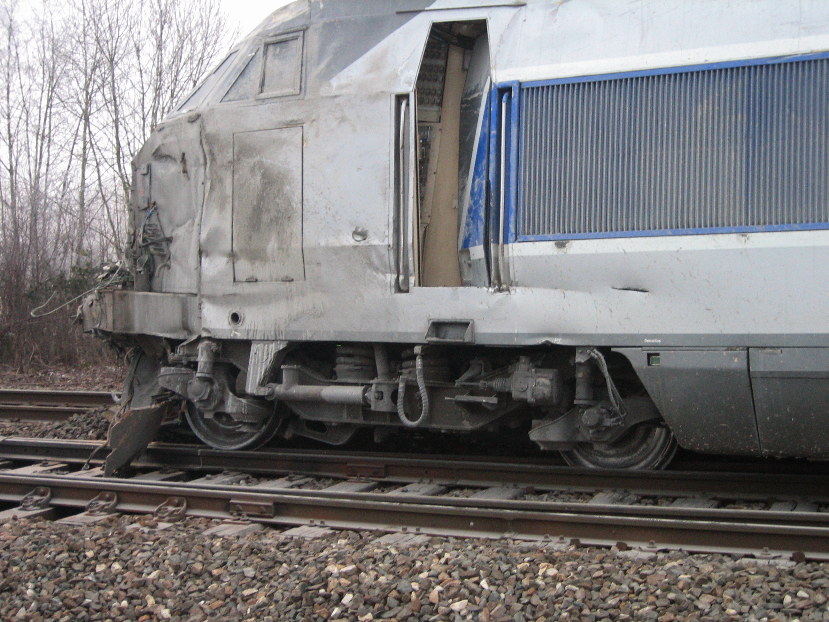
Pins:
x,y
645,446
223,432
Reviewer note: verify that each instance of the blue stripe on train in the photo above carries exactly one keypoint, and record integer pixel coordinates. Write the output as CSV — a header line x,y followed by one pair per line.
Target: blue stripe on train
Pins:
x,y
473,227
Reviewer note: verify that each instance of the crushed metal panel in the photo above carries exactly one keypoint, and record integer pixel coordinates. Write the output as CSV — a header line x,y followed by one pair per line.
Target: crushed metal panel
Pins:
x,y
267,205
167,201
127,312
260,364
132,432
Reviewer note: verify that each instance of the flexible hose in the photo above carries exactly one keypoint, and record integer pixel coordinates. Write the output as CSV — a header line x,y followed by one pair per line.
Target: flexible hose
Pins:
x,y
612,391
424,395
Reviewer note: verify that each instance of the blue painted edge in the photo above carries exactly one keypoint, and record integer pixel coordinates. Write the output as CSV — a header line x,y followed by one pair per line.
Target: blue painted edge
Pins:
x,y
505,95
817,226
474,229
661,71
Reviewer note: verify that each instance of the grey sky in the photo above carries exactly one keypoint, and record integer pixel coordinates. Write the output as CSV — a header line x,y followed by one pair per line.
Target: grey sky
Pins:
x,y
247,14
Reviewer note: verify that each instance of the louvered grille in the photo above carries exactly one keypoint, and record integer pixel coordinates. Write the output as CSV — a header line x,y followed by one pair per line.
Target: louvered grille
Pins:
x,y
728,148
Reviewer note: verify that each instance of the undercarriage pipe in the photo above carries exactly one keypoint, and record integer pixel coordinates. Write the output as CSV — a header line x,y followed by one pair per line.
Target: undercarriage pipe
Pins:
x,y
381,358
291,391
424,394
207,351
314,393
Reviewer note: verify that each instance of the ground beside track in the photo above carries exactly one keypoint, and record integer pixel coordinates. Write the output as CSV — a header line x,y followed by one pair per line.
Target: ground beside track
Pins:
x,y
124,568
97,378
90,425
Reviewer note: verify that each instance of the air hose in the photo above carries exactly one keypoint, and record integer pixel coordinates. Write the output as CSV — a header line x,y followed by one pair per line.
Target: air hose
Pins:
x,y
424,395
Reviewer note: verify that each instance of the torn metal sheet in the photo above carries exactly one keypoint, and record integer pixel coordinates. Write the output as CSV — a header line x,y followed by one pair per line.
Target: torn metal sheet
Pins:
x,y
131,433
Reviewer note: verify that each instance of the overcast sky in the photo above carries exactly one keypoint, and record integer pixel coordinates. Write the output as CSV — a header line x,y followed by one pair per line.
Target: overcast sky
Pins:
x,y
247,14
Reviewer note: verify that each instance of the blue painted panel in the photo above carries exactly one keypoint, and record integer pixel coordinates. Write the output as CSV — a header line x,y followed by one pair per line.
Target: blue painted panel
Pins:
x,y
731,147
503,128
474,226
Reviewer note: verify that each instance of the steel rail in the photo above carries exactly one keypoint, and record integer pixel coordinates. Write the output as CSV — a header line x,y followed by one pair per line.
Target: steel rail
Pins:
x,y
37,414
48,406
745,516
457,471
435,515
82,399
41,406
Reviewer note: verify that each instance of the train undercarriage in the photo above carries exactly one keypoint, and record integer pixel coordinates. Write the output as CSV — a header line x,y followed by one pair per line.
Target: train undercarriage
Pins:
x,y
586,403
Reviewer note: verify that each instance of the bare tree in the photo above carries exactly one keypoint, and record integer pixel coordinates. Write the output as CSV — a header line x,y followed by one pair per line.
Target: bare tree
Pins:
x,y
82,87
34,167
153,54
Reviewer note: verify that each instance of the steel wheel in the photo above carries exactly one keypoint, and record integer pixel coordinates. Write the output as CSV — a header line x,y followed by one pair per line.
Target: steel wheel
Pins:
x,y
222,432
645,446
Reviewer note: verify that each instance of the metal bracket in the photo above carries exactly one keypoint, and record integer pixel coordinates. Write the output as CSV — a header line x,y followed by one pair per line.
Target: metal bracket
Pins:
x,y
130,434
172,510
380,396
365,469
212,394
37,499
565,430
104,503
251,509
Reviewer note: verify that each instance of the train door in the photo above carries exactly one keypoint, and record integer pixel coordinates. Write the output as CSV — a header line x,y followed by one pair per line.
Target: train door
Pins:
x,y
440,128
259,166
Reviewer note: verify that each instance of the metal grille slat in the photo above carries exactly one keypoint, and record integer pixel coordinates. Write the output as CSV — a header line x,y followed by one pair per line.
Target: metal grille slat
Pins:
x,y
724,148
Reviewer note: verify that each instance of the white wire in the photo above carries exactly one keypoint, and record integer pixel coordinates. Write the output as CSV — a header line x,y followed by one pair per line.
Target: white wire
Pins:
x,y
34,312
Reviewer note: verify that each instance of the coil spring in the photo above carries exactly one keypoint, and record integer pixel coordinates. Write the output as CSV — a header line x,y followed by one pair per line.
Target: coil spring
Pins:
x,y
502,385
354,363
435,369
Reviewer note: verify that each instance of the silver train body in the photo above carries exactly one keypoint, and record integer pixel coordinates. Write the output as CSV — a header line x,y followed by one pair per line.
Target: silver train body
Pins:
x,y
606,220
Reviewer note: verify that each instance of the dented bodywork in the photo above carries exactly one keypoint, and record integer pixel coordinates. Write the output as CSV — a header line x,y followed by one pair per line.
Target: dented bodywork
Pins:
x,y
394,175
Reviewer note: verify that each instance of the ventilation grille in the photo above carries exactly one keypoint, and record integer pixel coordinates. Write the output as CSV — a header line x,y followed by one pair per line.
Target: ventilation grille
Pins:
x,y
730,148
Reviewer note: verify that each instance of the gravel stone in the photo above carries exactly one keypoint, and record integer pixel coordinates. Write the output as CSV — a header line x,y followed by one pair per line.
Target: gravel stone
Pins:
x,y
89,425
125,568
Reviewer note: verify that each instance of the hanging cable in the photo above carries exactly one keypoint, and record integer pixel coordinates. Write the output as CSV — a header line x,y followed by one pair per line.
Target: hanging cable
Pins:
x,y
424,394
35,312
612,392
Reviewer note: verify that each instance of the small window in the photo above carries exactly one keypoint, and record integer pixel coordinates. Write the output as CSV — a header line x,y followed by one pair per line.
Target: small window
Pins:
x,y
200,93
246,85
283,66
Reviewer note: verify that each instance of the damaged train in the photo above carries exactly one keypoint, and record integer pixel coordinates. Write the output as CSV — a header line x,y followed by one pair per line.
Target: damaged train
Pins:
x,y
605,221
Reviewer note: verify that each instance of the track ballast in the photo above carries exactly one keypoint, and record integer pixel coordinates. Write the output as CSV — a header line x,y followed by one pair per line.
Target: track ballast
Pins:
x,y
781,515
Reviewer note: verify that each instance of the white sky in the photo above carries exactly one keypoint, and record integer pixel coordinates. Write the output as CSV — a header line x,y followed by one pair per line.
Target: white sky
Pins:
x,y
248,14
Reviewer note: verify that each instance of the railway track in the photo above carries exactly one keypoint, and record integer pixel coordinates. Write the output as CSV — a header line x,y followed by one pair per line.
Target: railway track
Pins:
x,y
733,512
38,405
